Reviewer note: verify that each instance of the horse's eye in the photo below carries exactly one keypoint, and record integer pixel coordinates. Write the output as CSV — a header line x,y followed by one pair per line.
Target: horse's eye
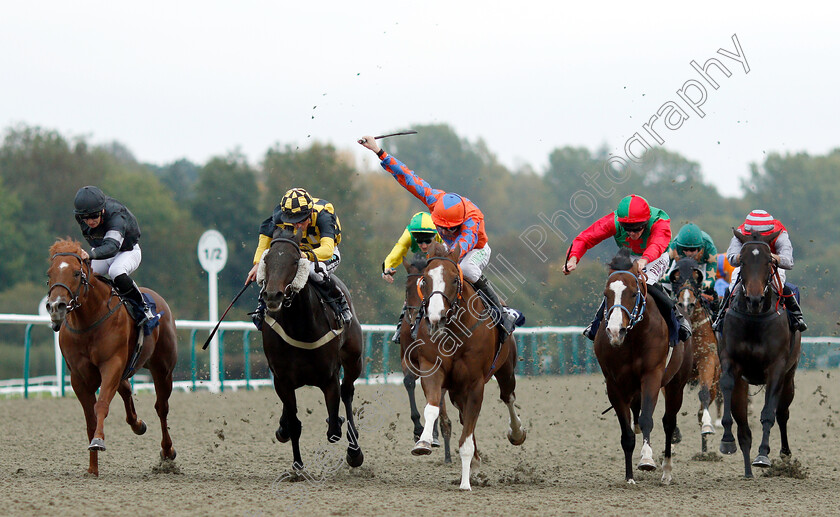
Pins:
x,y
77,274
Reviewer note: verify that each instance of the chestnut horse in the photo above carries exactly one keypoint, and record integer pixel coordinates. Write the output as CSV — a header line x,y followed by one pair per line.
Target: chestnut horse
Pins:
x,y
306,344
686,281
633,352
414,271
757,347
97,336
458,349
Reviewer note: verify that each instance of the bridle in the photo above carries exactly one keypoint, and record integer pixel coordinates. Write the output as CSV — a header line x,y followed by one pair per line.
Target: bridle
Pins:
x,y
83,282
288,293
454,302
639,304
772,274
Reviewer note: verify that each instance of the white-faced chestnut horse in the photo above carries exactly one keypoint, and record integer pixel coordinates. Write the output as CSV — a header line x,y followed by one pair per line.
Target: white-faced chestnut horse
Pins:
x,y
632,349
458,349
97,337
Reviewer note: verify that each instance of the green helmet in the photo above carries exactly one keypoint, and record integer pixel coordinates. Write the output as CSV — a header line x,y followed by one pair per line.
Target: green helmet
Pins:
x,y
690,236
421,223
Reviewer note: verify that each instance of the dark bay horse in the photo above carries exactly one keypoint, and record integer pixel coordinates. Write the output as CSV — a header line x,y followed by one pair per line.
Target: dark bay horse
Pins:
x,y
632,349
686,281
414,271
457,349
97,336
757,347
307,345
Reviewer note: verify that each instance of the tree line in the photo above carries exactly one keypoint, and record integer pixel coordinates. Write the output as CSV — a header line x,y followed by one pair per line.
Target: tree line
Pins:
x,y
531,216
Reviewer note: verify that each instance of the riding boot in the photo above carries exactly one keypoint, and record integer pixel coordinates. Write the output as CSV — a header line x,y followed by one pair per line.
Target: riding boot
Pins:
x,y
718,323
396,337
258,316
795,311
590,331
129,291
337,297
678,328
507,318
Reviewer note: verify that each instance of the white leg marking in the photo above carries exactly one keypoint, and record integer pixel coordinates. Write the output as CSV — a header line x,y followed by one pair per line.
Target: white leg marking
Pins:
x,y
647,452
666,471
617,316
707,427
430,413
515,430
466,452
436,301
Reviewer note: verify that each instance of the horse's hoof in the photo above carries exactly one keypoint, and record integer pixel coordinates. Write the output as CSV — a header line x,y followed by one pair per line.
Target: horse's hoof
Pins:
x,y
332,438
282,438
357,460
447,459
631,481
435,442
163,455
646,464
516,441
761,461
707,429
728,447
141,429
97,444
421,448
296,466
677,436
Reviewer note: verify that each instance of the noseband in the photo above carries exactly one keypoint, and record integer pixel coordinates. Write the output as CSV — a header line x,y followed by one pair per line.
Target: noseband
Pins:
x,y
639,304
74,295
454,301
288,293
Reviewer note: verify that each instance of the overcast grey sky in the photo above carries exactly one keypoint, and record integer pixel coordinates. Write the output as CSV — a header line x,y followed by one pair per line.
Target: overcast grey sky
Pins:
x,y
195,78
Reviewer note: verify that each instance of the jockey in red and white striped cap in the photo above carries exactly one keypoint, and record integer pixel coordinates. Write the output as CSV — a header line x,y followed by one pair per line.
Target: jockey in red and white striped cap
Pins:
x,y
782,250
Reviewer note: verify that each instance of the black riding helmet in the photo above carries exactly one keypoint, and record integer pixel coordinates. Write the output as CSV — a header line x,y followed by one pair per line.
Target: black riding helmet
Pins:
x,y
89,200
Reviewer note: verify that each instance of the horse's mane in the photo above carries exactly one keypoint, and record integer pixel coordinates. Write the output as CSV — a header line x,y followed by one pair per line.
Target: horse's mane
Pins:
x,y
285,232
418,261
621,261
67,245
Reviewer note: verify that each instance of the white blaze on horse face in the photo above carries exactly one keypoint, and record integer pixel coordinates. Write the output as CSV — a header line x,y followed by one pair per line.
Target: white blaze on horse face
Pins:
x,y
63,265
430,413
756,252
466,451
616,320
686,299
436,306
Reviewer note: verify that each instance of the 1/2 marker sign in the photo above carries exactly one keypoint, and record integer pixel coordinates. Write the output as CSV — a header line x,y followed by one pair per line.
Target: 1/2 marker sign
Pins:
x,y
212,251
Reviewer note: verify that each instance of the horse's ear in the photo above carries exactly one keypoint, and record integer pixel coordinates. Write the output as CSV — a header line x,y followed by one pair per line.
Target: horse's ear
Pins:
x,y
770,238
740,236
455,253
674,277
698,276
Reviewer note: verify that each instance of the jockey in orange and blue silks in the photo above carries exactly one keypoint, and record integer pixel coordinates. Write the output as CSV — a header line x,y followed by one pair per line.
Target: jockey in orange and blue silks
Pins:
x,y
458,221
646,231
781,250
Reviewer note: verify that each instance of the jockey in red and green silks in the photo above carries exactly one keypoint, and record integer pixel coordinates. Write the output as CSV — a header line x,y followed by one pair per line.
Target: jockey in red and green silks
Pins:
x,y
646,232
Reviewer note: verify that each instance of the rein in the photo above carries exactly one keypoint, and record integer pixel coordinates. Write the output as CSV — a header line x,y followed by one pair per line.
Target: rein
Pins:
x,y
639,304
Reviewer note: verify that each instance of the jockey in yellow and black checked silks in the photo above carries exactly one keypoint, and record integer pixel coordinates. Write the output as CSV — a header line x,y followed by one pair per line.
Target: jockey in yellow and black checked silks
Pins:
x,y
322,233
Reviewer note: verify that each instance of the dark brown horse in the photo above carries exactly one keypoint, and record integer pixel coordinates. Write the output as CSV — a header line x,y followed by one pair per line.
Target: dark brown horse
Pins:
x,y
632,349
97,336
686,281
757,347
457,349
307,345
414,271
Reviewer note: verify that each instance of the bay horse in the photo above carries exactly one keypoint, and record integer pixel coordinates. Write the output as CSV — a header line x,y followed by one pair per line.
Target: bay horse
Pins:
x,y
458,349
758,347
97,336
306,344
686,282
414,271
632,350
